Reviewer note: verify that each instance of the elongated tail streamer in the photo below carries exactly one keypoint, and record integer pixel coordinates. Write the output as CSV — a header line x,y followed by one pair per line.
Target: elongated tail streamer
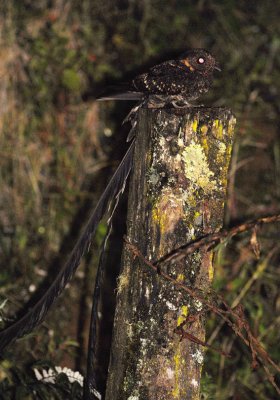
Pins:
x,y
36,315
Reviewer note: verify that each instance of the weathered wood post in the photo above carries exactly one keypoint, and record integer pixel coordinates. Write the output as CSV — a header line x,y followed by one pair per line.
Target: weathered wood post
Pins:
x,y
177,194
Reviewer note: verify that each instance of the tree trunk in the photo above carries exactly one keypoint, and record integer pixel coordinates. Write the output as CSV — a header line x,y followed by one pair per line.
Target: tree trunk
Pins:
x,y
177,195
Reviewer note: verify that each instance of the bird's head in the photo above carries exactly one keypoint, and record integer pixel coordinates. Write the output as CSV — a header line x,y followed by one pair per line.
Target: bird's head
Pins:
x,y
200,61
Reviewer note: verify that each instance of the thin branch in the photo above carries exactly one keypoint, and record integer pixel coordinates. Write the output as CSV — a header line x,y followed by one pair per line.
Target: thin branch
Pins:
x,y
239,323
215,238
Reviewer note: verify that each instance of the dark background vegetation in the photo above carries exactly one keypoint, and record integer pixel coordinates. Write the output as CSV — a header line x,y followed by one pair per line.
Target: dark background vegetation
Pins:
x,y
58,147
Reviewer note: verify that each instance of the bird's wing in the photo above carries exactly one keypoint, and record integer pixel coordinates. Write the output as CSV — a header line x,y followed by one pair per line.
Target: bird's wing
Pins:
x,y
154,81
165,68
36,315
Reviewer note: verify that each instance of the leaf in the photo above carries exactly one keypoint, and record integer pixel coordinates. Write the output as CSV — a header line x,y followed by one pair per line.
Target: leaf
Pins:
x,y
71,80
2,305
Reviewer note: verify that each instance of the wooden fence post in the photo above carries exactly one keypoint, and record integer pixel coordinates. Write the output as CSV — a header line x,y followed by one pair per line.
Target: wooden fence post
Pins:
x,y
177,195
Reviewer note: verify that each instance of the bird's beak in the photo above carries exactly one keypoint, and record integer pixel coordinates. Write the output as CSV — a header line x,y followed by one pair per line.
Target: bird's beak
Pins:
x,y
217,67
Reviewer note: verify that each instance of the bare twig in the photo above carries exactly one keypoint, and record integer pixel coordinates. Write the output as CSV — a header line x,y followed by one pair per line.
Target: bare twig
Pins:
x,y
234,317
216,238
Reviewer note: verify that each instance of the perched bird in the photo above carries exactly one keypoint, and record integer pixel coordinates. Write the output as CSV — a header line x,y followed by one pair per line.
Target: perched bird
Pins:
x,y
175,82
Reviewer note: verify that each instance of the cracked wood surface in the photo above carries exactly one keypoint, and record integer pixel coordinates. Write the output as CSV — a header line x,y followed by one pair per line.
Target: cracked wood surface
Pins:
x,y
177,195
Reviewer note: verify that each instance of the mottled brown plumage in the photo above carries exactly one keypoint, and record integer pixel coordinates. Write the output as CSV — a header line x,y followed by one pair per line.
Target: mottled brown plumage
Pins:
x,y
188,77
174,81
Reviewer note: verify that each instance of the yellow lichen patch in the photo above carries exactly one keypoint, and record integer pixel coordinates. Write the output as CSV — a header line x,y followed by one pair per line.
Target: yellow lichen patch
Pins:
x,y
205,146
223,158
194,125
211,269
158,218
177,359
179,362
228,152
167,211
183,314
197,169
217,129
180,278
204,129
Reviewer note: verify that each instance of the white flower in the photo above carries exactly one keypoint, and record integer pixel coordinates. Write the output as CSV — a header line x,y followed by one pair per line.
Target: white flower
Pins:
x,y
2,305
51,375
37,374
58,369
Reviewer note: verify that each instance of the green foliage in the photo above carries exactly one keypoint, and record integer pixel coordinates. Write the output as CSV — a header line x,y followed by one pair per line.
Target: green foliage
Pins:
x,y
71,80
208,387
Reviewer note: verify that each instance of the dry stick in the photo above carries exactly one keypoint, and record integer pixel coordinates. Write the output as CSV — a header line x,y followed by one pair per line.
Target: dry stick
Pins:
x,y
243,291
215,238
238,314
193,293
252,343
271,378
186,335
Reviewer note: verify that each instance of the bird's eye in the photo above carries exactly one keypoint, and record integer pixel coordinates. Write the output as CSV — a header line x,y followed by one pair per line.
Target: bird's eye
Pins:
x,y
201,60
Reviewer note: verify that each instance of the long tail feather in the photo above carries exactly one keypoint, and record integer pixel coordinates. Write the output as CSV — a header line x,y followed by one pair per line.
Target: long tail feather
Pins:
x,y
90,383
122,96
36,315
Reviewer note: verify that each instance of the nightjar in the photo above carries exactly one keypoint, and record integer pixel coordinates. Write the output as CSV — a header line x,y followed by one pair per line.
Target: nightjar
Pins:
x,y
175,81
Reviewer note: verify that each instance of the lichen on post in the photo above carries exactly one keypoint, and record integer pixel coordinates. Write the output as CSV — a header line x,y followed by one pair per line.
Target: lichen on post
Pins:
x,y
177,195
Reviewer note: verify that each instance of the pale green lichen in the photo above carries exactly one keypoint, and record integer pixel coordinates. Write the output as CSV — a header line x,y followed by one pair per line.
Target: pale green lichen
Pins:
x,y
221,152
129,330
180,142
122,282
153,176
197,304
197,169
198,356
